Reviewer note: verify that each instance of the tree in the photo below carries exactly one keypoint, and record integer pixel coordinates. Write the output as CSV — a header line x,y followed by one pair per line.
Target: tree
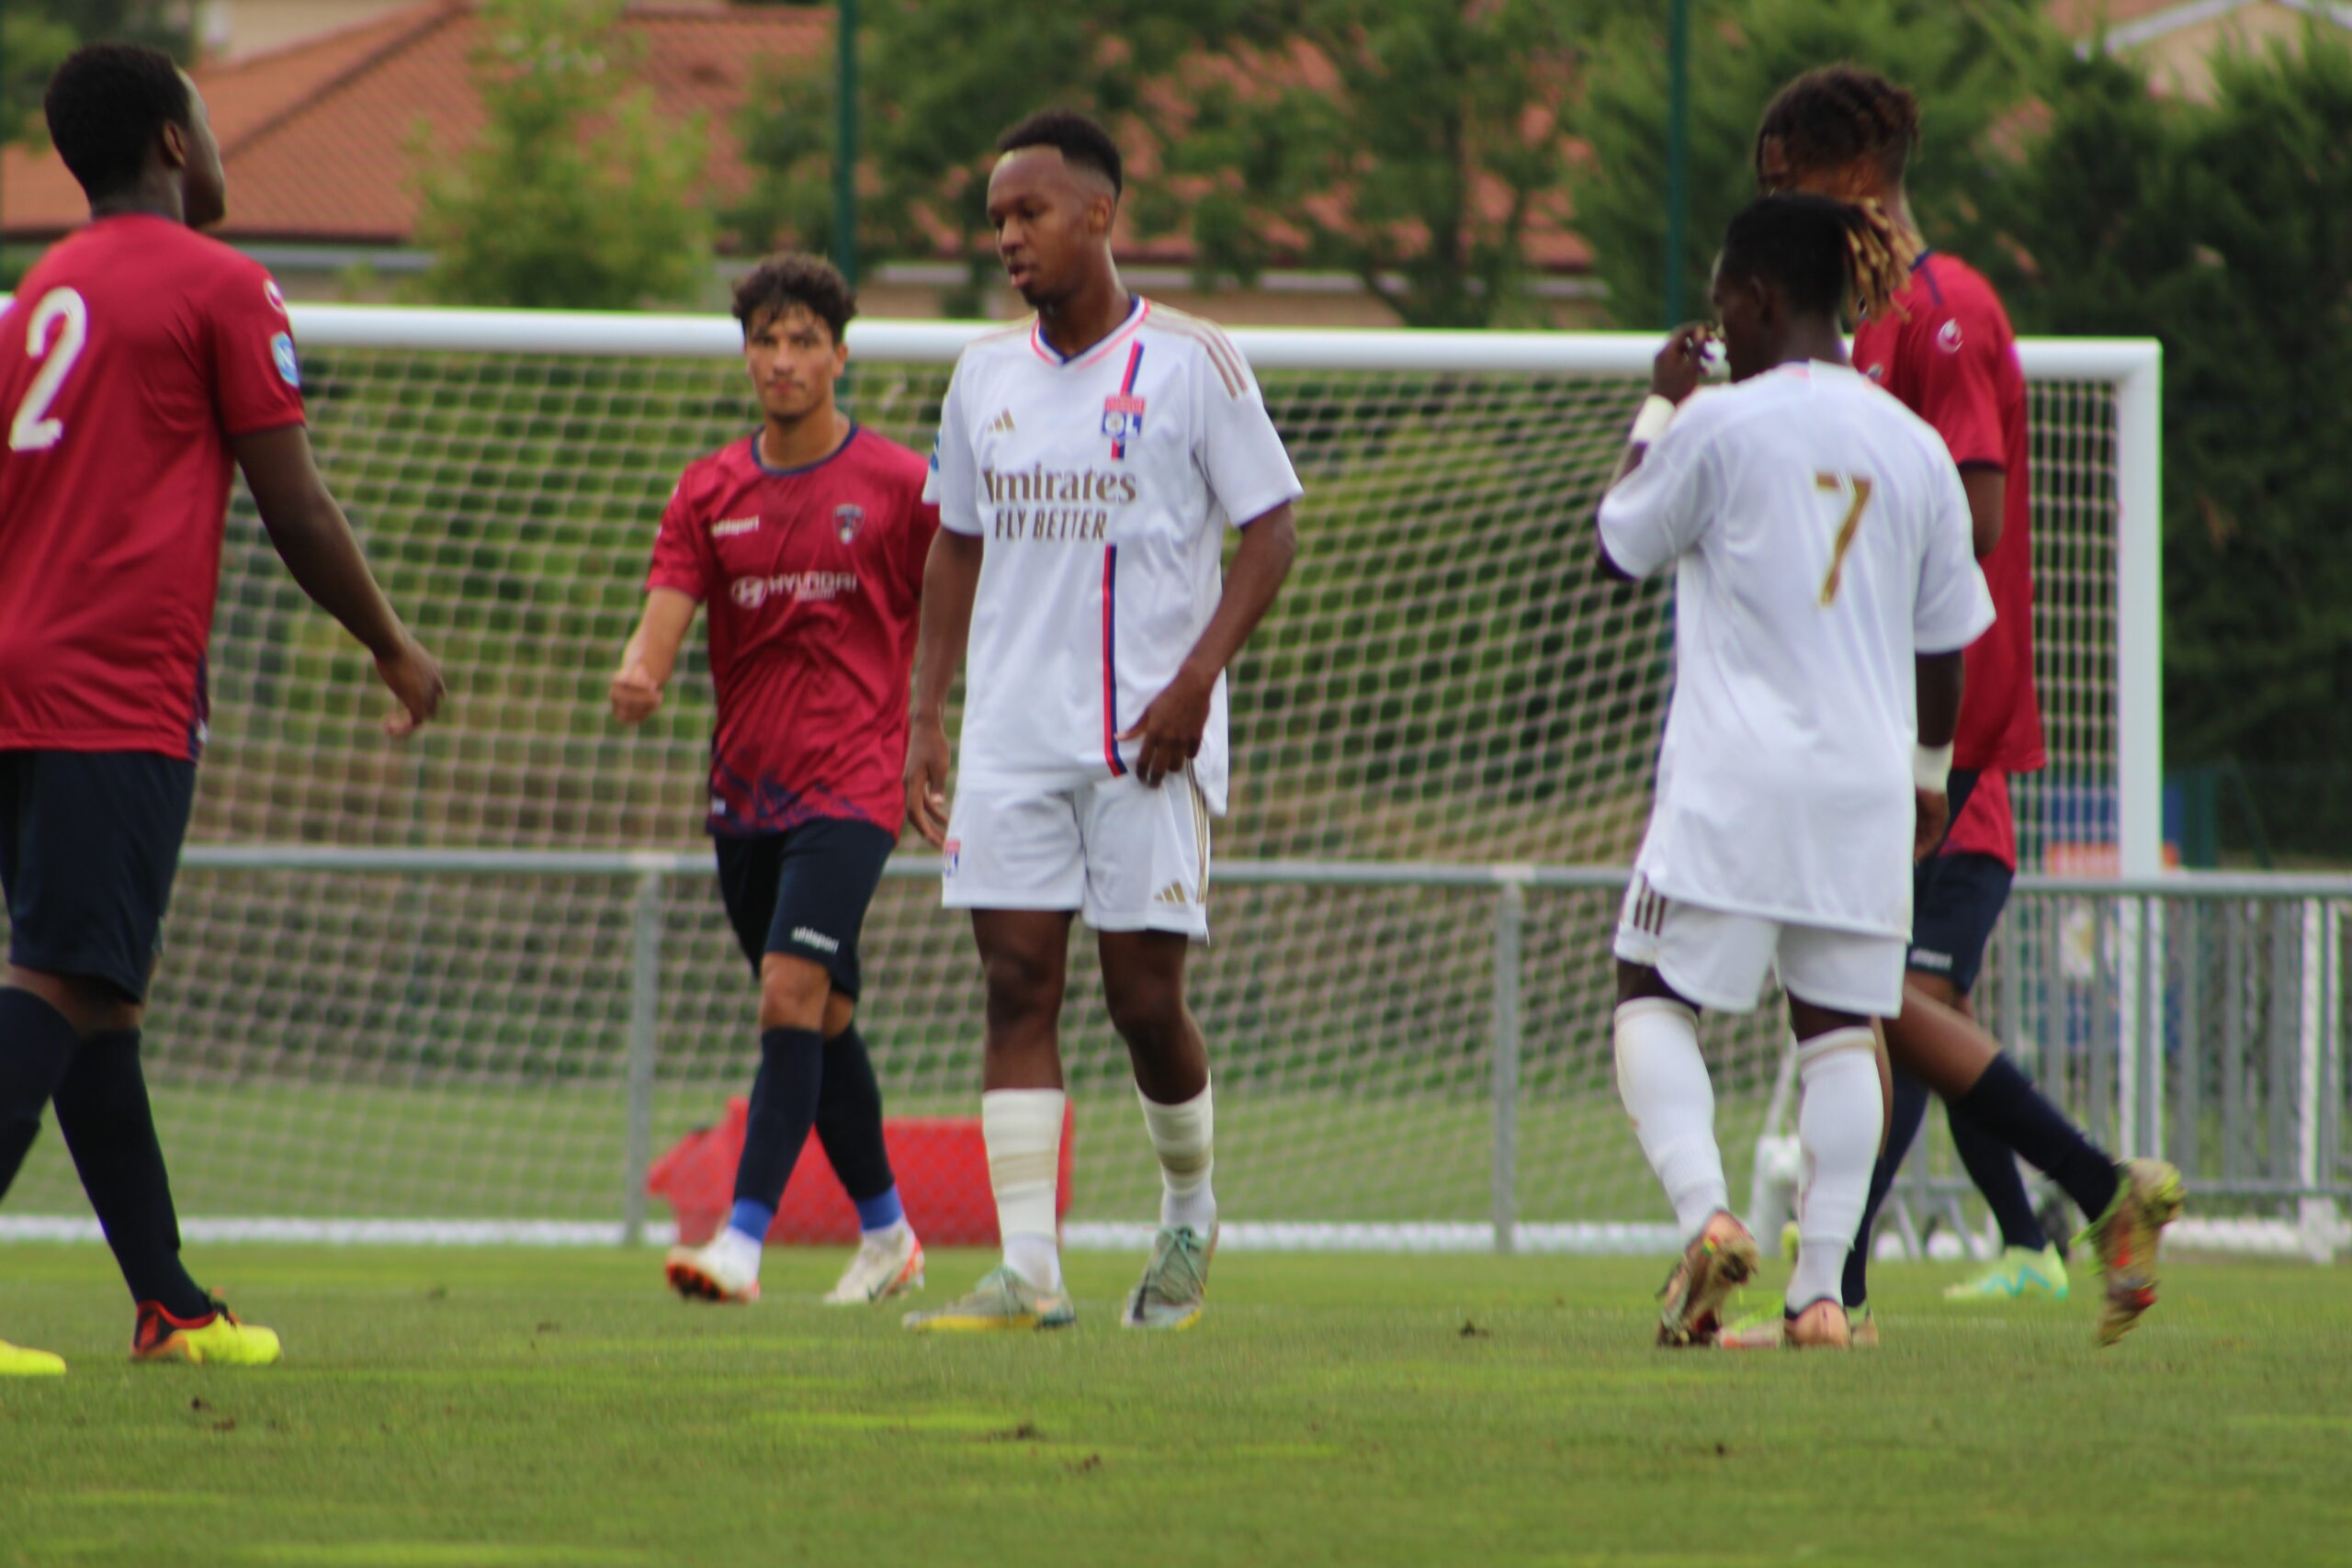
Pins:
x,y
1409,144
2225,231
1971,64
943,79
37,35
574,195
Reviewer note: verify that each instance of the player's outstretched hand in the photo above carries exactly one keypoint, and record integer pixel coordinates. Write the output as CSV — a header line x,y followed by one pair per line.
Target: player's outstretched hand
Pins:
x,y
636,695
414,676
1676,372
927,756
1935,816
1170,727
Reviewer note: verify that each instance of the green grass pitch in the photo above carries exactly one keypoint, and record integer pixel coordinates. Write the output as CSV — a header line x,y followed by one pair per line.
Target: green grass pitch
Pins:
x,y
506,1406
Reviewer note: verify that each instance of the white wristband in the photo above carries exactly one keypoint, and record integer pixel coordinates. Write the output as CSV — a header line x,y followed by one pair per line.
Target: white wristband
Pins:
x,y
1657,413
1931,768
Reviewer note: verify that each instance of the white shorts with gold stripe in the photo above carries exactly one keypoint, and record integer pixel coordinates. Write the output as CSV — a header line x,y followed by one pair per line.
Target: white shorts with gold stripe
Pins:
x,y
1125,855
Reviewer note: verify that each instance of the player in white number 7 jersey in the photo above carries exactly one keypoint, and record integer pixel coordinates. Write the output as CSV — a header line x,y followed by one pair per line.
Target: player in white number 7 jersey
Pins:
x,y
1090,464
1823,591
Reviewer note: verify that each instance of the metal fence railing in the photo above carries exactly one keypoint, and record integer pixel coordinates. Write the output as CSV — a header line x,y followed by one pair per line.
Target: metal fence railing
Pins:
x,y
2192,1015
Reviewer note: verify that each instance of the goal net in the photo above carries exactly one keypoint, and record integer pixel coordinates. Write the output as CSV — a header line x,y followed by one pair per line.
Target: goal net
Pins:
x,y
1443,683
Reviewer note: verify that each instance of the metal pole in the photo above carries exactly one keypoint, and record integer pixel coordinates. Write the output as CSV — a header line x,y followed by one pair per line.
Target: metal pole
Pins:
x,y
1510,915
644,1016
846,139
1678,153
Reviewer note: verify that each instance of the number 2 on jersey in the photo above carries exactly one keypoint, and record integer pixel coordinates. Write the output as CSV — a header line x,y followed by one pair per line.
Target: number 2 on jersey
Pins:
x,y
1857,492
33,430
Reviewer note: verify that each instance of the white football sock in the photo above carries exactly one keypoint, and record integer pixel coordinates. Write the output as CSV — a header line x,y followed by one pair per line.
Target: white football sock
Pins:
x,y
1023,1128
1663,1081
1838,1123
1184,1137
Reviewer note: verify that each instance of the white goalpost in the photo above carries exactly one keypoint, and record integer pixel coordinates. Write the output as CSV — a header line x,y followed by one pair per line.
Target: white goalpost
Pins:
x,y
465,989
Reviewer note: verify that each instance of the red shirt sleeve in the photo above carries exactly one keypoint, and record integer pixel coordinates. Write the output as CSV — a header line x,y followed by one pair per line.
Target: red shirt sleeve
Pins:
x,y
1961,347
923,523
682,549
256,379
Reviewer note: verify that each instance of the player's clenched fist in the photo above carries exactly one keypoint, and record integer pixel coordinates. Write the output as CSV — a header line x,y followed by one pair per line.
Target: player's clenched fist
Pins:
x,y
414,677
635,695
927,758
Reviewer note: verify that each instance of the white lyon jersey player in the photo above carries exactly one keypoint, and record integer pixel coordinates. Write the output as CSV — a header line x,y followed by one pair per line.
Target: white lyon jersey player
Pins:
x,y
1103,487
1820,540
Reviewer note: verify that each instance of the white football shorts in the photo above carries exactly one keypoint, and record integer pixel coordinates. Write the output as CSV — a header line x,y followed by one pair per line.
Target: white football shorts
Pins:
x,y
1127,857
1721,960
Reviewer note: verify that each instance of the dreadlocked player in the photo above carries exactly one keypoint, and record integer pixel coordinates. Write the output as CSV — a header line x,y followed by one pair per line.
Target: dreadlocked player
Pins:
x,y
1943,345
1823,591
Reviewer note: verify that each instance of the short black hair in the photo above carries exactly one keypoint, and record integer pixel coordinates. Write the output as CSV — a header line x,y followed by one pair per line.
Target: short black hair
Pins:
x,y
106,104
1835,114
1820,249
1080,140
797,278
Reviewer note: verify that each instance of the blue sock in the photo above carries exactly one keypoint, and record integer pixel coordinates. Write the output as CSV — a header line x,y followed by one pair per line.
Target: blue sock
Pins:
x,y
753,1218
881,1213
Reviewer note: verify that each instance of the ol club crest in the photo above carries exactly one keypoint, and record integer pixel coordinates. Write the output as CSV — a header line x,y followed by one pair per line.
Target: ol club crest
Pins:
x,y
848,518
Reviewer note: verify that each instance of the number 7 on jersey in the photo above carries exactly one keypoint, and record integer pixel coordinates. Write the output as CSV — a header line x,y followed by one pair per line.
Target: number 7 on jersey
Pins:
x,y
1858,493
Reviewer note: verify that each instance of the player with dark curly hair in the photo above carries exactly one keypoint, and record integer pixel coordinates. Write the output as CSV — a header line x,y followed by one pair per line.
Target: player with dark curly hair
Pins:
x,y
806,543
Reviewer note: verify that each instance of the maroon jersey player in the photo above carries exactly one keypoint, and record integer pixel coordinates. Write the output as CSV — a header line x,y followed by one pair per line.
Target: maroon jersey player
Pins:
x,y
140,365
803,544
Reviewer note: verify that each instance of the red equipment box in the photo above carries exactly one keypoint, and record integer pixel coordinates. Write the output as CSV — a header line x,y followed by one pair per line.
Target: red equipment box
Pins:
x,y
942,1164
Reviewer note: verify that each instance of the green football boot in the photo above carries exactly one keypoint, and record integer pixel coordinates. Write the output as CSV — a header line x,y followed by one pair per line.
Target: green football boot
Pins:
x,y
2017,1274
1175,1283
1002,1302
2148,1196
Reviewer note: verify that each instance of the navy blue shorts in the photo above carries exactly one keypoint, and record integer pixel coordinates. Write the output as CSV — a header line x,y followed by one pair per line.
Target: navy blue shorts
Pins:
x,y
803,892
89,843
1956,900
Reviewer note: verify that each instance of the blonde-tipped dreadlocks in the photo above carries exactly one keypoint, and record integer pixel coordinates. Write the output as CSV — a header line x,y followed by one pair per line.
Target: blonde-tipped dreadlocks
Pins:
x,y
1879,258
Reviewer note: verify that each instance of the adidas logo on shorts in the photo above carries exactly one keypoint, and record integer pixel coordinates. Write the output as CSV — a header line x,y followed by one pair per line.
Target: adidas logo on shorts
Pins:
x,y
1172,894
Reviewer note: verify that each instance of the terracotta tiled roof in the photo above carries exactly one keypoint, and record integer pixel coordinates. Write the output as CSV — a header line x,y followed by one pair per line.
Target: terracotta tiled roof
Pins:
x,y
320,139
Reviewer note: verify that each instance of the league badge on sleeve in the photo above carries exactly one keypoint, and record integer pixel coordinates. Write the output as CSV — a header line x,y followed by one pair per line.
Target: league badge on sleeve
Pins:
x,y
281,349
848,518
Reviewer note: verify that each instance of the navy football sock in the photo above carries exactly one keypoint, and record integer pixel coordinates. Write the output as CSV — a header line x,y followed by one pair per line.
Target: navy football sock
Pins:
x,y
849,1123
1902,1127
36,1046
2005,1103
783,1106
109,1127
1992,1165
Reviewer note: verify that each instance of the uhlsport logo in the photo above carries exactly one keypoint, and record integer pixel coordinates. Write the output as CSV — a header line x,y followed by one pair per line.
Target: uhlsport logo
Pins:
x,y
1876,373
1947,337
848,518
